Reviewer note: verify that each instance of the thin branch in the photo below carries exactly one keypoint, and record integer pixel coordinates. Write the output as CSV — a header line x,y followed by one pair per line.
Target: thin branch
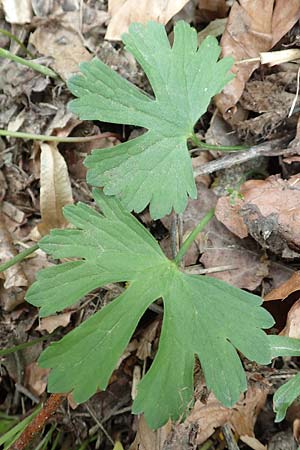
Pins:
x,y
44,137
38,423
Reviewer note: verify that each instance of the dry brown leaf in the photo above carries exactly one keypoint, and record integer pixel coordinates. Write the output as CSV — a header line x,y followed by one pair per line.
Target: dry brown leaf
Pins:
x,y
147,439
36,378
55,188
271,212
285,289
50,323
214,28
247,34
63,43
208,416
124,12
292,327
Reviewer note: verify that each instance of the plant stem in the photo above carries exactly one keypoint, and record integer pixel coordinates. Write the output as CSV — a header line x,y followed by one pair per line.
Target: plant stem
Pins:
x,y
190,239
44,137
17,40
32,65
16,348
37,424
18,258
222,148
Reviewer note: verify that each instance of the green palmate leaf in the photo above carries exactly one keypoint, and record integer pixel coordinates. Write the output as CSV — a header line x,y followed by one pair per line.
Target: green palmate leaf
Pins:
x,y
202,316
156,167
285,396
284,346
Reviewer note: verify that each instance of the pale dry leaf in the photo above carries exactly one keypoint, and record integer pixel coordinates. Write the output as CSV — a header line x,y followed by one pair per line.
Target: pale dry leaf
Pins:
x,y
147,439
214,28
246,35
253,442
55,188
123,13
63,43
285,289
17,11
50,323
292,327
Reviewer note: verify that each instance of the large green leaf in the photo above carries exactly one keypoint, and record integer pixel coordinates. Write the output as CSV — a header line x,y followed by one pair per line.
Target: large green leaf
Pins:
x,y
156,167
202,316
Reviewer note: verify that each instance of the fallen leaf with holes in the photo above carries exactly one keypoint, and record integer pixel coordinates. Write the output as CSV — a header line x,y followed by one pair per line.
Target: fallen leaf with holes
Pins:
x,y
269,212
125,12
50,323
285,289
208,416
56,189
247,34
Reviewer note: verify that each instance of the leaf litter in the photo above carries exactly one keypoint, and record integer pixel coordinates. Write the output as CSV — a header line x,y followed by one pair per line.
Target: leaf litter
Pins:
x,y
27,101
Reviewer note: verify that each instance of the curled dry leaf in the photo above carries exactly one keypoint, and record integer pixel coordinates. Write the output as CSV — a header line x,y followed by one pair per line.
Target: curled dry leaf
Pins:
x,y
247,34
292,327
269,212
55,188
285,289
124,12
208,416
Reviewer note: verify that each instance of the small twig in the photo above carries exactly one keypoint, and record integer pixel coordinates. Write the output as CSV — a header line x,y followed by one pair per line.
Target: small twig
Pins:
x,y
24,391
39,421
92,413
231,442
265,149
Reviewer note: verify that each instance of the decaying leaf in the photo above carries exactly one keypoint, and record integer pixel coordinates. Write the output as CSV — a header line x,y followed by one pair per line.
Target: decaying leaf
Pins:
x,y
247,34
209,415
125,12
269,212
209,10
63,43
56,189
